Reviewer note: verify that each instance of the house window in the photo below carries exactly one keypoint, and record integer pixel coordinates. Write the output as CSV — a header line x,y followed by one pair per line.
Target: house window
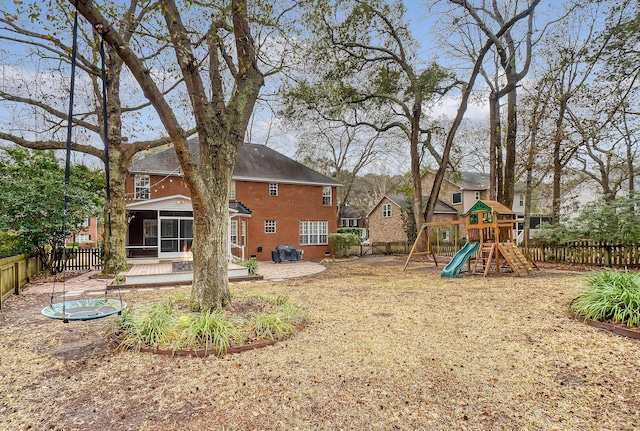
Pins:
x,y
232,191
456,198
386,210
269,226
314,232
150,232
233,232
86,222
243,232
83,238
477,196
142,187
521,200
326,196
273,189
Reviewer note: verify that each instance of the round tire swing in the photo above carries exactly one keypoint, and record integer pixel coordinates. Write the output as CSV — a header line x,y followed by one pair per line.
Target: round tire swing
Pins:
x,y
84,309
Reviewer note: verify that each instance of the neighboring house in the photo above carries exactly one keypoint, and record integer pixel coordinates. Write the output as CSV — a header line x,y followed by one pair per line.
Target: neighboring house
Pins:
x,y
462,190
386,220
89,235
350,217
273,200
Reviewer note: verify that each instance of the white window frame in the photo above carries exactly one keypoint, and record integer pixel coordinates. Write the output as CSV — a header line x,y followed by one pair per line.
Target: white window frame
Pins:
x,y
273,189
243,232
453,198
521,202
150,231
142,188
326,196
314,232
86,222
386,211
232,191
82,238
233,232
270,226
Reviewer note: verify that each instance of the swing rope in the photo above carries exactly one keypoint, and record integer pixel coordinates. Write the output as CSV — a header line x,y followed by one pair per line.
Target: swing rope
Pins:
x,y
87,309
67,169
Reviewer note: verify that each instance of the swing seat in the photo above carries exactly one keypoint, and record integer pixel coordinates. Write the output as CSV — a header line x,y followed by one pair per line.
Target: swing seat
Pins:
x,y
84,309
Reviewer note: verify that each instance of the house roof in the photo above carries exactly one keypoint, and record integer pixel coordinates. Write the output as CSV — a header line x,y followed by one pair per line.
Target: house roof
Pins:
x,y
239,208
470,180
495,206
350,212
405,203
236,208
255,163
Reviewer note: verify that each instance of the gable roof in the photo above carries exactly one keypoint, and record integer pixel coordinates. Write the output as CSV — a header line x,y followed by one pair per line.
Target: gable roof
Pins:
x,y
351,213
494,206
255,163
470,180
403,202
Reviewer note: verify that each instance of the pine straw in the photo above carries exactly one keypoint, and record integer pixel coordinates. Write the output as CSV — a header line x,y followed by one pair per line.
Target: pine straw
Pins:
x,y
384,349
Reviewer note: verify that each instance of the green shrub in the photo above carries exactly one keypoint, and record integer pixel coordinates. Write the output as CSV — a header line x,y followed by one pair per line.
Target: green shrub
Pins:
x,y
342,242
251,265
354,230
169,325
610,296
212,330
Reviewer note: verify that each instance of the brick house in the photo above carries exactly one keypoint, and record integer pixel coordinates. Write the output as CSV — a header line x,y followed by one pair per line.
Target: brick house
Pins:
x,y
273,200
89,234
386,223
462,190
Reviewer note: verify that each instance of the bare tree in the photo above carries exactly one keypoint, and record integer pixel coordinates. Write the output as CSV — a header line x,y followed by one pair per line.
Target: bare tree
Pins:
x,y
217,56
33,94
466,93
370,64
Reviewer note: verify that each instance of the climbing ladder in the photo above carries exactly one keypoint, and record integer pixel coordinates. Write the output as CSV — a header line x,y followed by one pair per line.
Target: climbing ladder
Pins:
x,y
514,258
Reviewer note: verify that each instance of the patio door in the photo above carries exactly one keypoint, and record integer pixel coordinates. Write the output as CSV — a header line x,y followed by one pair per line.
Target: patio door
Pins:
x,y
176,236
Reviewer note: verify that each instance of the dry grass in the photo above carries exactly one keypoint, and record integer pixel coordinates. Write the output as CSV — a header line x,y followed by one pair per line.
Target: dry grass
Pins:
x,y
384,350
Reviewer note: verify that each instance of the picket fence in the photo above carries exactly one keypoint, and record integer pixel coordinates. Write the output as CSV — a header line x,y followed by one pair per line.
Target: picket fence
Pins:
x,y
580,252
16,271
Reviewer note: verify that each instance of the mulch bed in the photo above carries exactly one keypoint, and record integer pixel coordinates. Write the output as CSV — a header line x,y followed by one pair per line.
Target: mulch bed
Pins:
x,y
384,349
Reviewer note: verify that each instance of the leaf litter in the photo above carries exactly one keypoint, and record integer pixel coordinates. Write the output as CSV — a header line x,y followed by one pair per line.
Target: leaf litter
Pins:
x,y
384,349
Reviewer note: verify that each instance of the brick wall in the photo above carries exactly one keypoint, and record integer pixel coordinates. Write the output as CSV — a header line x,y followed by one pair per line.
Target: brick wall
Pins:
x,y
386,229
294,203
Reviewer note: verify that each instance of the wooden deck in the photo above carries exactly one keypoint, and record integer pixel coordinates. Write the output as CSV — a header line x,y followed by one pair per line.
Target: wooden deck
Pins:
x,y
161,272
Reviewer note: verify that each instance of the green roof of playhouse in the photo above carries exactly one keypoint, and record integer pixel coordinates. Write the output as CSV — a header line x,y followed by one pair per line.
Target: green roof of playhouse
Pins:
x,y
494,206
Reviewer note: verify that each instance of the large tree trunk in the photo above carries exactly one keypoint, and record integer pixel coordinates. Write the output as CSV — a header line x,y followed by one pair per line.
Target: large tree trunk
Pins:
x,y
210,289
494,144
115,227
415,171
510,150
558,138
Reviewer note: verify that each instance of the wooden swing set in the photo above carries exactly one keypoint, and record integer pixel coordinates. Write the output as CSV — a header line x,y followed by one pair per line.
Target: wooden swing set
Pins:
x,y
489,226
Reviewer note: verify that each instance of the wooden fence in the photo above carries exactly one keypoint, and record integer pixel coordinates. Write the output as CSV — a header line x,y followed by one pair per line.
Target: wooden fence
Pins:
x,y
79,259
15,272
398,247
588,253
582,252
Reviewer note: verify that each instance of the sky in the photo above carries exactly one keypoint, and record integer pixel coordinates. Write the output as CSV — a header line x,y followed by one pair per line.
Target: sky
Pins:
x,y
267,130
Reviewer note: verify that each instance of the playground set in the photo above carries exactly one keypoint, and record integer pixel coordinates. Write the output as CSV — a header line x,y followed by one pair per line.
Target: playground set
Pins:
x,y
489,227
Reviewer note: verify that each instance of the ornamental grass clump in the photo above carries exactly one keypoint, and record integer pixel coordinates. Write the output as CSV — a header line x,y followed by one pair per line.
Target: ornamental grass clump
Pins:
x,y
610,296
170,325
213,330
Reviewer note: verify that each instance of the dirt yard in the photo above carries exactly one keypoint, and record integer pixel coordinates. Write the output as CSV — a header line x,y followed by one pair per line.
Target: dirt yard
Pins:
x,y
384,350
